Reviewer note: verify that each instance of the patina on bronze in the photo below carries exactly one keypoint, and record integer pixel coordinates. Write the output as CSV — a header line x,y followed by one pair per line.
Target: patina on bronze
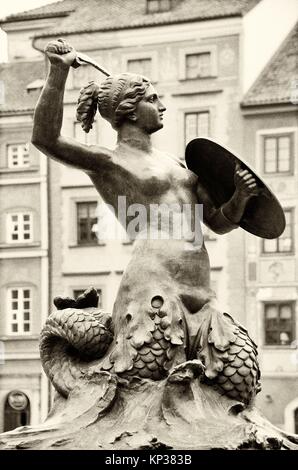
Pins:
x,y
215,167
169,368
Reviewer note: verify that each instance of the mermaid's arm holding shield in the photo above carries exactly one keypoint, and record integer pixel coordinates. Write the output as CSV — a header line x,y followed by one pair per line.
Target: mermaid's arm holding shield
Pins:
x,y
227,217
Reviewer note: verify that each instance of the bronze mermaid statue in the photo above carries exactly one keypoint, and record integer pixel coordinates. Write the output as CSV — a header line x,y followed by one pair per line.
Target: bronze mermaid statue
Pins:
x,y
166,330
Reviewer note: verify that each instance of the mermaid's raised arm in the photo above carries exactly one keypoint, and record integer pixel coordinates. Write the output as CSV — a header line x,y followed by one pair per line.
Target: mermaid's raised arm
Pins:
x,y
49,115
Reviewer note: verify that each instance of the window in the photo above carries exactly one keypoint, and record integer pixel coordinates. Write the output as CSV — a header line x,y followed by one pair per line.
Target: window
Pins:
x,y
16,410
198,65
277,152
19,227
140,66
279,323
196,125
142,63
285,243
87,223
296,421
78,292
19,310
18,155
198,62
154,6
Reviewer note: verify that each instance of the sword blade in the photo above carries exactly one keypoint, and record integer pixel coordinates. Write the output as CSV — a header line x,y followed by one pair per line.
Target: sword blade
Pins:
x,y
84,58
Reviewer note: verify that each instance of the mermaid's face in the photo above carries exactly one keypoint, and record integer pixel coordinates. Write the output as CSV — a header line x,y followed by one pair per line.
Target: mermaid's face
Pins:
x,y
149,112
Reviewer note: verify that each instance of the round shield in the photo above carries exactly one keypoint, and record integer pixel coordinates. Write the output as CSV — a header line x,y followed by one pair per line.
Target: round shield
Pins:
x,y
215,167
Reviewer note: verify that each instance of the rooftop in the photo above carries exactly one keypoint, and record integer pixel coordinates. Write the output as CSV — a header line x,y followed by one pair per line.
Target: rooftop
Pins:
x,y
14,79
103,15
60,8
278,81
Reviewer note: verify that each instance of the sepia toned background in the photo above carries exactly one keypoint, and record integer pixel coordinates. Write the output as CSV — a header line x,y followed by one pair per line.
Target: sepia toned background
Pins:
x,y
225,69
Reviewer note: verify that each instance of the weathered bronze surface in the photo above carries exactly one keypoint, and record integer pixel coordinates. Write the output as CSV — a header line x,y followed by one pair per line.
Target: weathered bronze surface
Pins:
x,y
215,167
168,368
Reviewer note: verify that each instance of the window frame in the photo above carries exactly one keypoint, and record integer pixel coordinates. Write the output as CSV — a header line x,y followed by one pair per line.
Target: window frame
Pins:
x,y
159,9
20,313
183,53
197,112
280,303
20,156
145,54
199,56
291,156
280,131
291,211
140,60
77,204
10,223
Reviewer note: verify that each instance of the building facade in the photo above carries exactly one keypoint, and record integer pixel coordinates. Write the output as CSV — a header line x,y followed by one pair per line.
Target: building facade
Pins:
x,y
193,53
271,141
24,275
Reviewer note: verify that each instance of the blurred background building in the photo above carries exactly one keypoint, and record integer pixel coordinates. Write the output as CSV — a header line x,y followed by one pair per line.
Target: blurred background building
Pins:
x,y
201,56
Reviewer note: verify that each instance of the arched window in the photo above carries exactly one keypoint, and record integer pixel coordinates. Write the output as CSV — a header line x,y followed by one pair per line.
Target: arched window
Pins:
x,y
16,410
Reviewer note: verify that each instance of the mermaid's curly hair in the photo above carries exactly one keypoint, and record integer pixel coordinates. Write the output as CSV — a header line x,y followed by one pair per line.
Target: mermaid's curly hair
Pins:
x,y
116,98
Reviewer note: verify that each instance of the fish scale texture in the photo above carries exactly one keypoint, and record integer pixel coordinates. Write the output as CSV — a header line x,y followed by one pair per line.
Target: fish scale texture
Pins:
x,y
69,340
240,376
153,358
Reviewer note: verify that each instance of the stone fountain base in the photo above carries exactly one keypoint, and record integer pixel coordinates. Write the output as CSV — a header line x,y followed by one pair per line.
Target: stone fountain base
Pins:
x,y
105,412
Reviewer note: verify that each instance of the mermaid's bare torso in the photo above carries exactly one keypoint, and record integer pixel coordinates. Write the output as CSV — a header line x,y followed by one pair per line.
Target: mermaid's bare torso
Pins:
x,y
155,180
